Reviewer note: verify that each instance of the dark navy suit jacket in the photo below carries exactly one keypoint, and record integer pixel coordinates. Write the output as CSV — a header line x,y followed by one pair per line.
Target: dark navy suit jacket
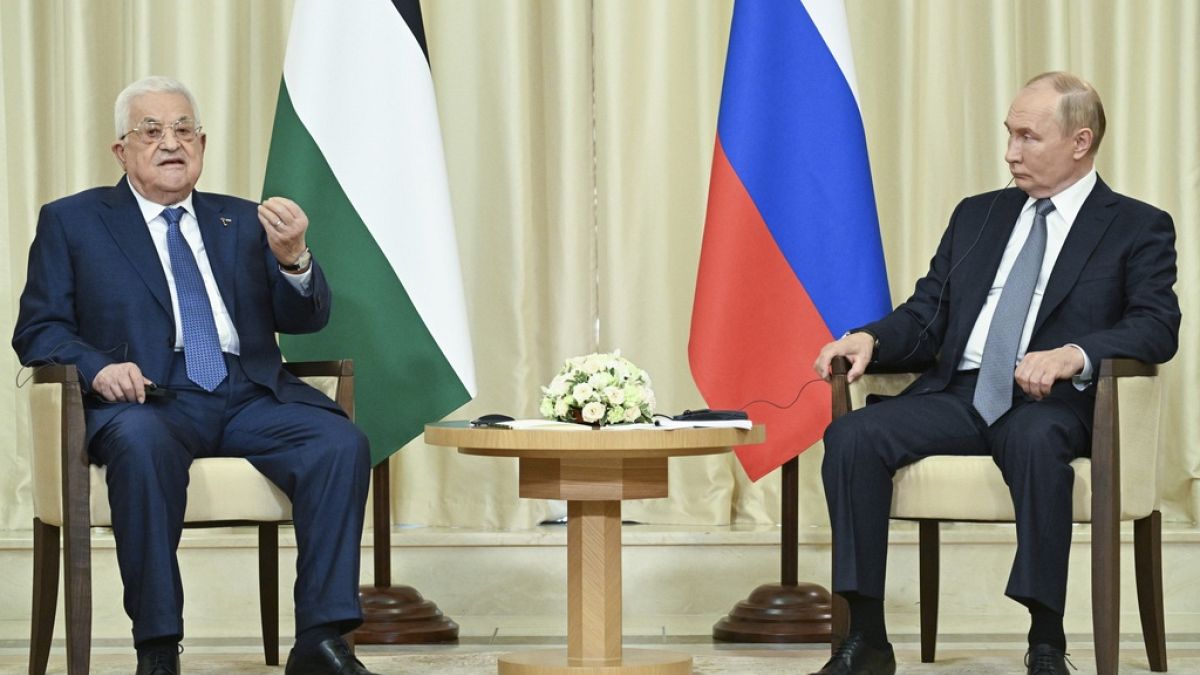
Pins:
x,y
97,293
1110,291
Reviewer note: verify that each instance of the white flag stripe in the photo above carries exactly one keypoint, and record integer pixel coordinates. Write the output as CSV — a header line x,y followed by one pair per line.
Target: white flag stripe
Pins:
x,y
368,102
829,16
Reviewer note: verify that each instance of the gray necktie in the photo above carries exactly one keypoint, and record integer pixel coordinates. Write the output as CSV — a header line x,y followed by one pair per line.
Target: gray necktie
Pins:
x,y
994,389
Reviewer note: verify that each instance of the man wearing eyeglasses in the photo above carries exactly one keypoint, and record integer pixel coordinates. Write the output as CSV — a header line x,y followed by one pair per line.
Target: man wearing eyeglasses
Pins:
x,y
150,285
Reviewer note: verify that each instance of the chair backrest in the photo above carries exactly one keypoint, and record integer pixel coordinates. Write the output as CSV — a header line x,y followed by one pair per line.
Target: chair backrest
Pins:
x,y
220,490
972,489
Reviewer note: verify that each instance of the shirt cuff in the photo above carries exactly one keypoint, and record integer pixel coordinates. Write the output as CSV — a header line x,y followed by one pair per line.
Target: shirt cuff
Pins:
x,y
303,282
1084,379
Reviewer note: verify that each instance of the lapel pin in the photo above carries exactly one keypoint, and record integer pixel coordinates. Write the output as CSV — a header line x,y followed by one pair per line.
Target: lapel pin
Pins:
x,y
225,222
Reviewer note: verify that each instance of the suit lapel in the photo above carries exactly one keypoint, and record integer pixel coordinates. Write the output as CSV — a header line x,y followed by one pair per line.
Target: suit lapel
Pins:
x,y
981,271
127,227
219,233
1089,227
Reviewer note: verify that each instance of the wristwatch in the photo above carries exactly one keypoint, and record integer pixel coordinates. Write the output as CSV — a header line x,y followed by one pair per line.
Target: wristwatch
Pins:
x,y
301,262
867,332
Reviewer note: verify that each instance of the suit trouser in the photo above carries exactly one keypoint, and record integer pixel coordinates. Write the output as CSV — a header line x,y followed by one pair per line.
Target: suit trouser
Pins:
x,y
316,457
1032,444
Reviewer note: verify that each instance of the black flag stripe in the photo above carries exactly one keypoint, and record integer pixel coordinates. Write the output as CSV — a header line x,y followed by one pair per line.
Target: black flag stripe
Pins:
x,y
410,11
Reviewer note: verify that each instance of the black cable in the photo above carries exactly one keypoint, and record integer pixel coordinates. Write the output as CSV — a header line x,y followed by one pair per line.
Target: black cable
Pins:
x,y
946,282
48,360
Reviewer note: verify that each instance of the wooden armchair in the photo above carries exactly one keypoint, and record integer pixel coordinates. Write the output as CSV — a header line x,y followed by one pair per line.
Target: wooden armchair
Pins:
x,y
1119,482
71,494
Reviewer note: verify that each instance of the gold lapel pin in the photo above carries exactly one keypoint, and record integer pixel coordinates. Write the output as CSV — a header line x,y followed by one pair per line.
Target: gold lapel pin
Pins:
x,y
225,222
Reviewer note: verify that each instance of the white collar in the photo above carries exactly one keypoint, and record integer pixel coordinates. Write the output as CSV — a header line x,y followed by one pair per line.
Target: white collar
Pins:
x,y
1068,202
151,210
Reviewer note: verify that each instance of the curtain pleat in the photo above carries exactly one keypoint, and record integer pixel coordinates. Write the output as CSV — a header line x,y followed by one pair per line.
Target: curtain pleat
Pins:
x,y
579,140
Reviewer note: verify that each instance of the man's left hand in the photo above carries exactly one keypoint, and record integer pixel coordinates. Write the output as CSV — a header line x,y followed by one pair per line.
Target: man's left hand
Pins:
x,y
1038,371
285,223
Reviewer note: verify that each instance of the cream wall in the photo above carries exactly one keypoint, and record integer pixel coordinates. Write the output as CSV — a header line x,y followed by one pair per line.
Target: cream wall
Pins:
x,y
579,136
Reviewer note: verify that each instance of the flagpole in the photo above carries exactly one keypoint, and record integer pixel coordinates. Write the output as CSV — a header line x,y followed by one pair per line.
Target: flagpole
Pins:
x,y
789,611
395,614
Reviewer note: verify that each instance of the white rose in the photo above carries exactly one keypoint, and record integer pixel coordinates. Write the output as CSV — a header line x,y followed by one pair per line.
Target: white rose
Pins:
x,y
562,407
582,392
593,412
614,395
632,413
547,407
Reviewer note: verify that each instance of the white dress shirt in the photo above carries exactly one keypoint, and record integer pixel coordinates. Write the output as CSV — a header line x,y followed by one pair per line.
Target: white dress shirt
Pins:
x,y
190,228
1058,224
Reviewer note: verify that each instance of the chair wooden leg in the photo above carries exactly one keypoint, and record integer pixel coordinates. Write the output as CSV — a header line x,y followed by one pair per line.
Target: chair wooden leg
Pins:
x,y
77,582
929,552
1147,563
45,594
268,589
1106,591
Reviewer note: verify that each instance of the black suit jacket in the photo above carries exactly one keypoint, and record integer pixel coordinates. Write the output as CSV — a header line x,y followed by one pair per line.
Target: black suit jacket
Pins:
x,y
97,293
1110,291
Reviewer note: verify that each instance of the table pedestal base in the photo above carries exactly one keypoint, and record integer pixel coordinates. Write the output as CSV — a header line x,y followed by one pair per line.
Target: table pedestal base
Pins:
x,y
632,662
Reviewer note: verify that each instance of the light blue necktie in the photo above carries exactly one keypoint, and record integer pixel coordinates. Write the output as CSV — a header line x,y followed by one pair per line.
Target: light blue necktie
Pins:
x,y
201,345
994,388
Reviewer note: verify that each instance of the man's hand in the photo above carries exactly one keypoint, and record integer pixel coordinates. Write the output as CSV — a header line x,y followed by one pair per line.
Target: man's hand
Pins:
x,y
858,347
121,382
285,223
1038,371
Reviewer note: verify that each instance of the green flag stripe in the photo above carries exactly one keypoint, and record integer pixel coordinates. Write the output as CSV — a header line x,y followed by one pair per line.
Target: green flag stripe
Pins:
x,y
402,378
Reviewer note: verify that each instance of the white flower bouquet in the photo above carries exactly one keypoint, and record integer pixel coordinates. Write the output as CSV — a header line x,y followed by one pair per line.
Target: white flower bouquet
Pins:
x,y
599,389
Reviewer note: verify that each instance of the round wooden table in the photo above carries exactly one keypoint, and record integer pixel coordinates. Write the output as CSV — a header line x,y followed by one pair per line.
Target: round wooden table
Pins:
x,y
593,471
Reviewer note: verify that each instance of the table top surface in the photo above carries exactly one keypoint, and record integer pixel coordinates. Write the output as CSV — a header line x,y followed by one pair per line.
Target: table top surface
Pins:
x,y
550,442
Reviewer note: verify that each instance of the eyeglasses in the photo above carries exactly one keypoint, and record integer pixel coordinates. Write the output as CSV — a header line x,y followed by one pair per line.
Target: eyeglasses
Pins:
x,y
152,131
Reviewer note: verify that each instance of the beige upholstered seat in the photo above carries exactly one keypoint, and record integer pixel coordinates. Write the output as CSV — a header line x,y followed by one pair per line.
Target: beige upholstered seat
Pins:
x,y
1119,482
221,492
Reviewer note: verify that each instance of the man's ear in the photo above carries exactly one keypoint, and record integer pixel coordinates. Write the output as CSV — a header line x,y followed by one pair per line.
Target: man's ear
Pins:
x,y
1082,142
118,151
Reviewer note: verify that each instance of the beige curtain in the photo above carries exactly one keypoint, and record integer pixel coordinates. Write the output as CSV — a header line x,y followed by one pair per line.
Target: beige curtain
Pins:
x,y
579,136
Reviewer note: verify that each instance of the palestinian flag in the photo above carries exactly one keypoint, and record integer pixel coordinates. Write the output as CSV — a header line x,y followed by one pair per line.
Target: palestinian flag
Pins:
x,y
357,144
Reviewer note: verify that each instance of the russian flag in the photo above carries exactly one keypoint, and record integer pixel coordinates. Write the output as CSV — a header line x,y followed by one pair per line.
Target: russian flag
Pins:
x,y
791,256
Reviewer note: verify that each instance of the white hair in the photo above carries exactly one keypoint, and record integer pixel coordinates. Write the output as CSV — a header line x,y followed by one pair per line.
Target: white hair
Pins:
x,y
154,84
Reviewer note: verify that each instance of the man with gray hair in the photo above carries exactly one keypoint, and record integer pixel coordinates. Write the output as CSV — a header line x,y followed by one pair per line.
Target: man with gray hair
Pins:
x,y
151,286
1030,289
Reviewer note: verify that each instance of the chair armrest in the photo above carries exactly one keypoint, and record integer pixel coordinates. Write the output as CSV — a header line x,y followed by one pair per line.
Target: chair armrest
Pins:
x,y
60,463
341,369
55,374
338,368
1109,483
877,380
1127,368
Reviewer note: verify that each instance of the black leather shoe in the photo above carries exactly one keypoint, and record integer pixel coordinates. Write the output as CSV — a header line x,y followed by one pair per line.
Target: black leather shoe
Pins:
x,y
331,657
1046,660
856,657
159,661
